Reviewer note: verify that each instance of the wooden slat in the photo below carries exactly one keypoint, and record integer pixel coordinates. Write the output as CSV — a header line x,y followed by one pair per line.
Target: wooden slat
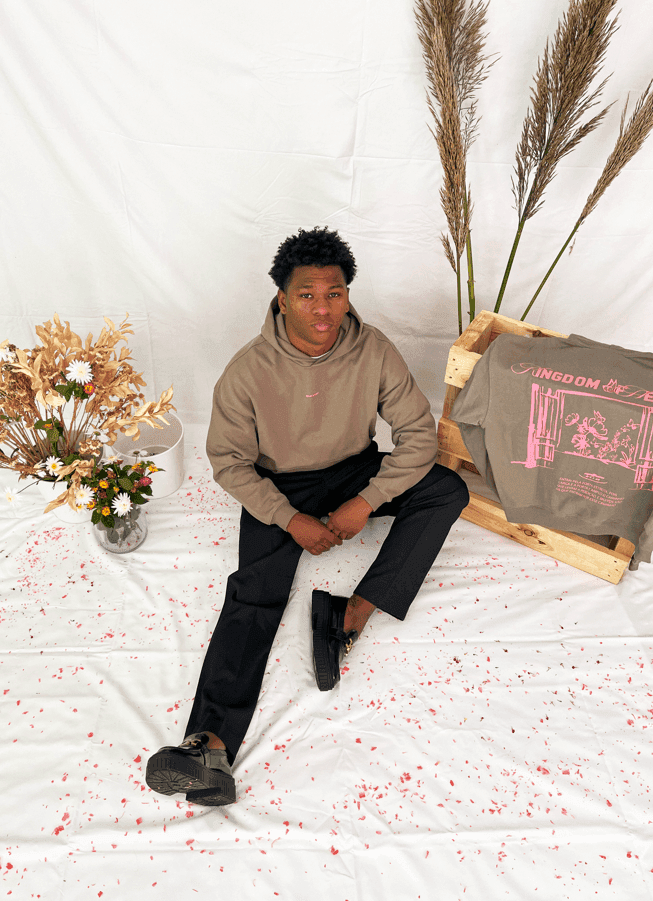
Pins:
x,y
448,460
622,546
459,366
476,336
503,324
468,349
563,546
450,441
450,395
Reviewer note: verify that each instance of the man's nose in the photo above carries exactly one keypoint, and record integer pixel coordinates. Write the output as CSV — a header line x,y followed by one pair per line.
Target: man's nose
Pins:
x,y
322,304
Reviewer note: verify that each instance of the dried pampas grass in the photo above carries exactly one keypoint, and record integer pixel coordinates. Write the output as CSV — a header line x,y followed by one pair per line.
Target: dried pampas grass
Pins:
x,y
629,141
452,38
561,97
566,90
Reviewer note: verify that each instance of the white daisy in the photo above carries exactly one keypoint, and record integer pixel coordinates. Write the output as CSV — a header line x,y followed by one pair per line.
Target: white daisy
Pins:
x,y
53,465
100,435
79,371
121,504
10,496
84,496
114,458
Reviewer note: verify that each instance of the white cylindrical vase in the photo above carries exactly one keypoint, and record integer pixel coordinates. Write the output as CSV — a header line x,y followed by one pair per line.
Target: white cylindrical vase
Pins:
x,y
164,447
50,491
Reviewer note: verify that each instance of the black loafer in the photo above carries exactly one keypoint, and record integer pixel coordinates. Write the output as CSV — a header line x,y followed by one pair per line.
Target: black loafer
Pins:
x,y
192,767
330,641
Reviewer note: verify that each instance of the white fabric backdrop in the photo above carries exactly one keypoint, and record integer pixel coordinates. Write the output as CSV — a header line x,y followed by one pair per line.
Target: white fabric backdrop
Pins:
x,y
155,154
153,157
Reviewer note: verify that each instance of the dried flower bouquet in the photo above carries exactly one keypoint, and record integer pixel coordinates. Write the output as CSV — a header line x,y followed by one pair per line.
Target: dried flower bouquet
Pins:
x,y
63,400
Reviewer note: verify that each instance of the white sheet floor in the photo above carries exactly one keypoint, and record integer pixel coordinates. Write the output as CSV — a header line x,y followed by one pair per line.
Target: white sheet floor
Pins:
x,y
497,744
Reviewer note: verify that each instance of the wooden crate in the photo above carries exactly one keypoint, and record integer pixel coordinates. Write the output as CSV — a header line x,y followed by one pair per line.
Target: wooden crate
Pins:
x,y
607,563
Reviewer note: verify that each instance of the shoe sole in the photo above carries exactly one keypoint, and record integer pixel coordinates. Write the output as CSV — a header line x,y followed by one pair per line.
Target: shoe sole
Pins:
x,y
169,773
215,797
321,615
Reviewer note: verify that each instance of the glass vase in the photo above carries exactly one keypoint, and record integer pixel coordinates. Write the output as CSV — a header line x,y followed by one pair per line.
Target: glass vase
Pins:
x,y
128,533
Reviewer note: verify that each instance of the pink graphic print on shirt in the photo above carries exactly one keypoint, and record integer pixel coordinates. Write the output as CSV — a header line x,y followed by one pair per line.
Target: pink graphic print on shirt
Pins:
x,y
601,430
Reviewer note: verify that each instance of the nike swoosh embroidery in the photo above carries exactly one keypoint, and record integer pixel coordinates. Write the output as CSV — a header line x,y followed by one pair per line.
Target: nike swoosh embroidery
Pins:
x,y
313,395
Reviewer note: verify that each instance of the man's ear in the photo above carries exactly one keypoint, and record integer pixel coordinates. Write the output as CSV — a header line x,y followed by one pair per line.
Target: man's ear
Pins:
x,y
281,296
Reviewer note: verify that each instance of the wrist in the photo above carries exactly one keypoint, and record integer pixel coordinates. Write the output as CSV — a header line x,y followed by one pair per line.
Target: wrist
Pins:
x,y
364,503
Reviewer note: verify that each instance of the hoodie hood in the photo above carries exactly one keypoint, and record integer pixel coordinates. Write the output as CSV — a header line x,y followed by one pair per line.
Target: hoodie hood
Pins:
x,y
274,332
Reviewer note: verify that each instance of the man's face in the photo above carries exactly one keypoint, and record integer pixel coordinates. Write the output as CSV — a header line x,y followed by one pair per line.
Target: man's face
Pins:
x,y
314,305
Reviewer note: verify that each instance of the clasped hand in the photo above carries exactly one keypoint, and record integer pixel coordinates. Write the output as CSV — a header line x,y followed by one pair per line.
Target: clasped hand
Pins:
x,y
315,537
350,518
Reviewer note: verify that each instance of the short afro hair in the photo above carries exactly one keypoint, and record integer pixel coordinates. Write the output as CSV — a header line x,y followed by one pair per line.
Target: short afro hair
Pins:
x,y
318,247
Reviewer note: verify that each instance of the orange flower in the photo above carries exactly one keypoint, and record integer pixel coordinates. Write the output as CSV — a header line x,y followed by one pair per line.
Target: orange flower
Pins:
x,y
89,389
104,484
106,511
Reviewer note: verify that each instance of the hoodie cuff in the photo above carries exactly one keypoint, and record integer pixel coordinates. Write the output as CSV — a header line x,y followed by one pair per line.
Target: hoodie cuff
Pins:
x,y
373,497
283,514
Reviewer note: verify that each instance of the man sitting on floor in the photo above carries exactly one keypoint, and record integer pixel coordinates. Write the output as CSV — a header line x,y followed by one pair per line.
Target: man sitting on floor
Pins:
x,y
291,438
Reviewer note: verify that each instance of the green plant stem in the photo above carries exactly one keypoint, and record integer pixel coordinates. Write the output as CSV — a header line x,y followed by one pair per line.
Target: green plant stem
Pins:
x,y
470,266
515,244
470,279
460,300
551,268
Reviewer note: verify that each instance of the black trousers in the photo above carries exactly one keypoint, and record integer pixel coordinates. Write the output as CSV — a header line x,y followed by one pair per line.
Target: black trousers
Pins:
x,y
257,593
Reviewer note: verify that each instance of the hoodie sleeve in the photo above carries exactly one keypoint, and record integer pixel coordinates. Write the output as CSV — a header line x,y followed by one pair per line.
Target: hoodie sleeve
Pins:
x,y
232,449
403,406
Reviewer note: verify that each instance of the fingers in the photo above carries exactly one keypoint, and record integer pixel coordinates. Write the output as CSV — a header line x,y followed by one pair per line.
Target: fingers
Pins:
x,y
334,538
322,550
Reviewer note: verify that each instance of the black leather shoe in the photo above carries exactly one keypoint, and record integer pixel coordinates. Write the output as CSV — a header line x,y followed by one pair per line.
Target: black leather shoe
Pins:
x,y
192,767
330,641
